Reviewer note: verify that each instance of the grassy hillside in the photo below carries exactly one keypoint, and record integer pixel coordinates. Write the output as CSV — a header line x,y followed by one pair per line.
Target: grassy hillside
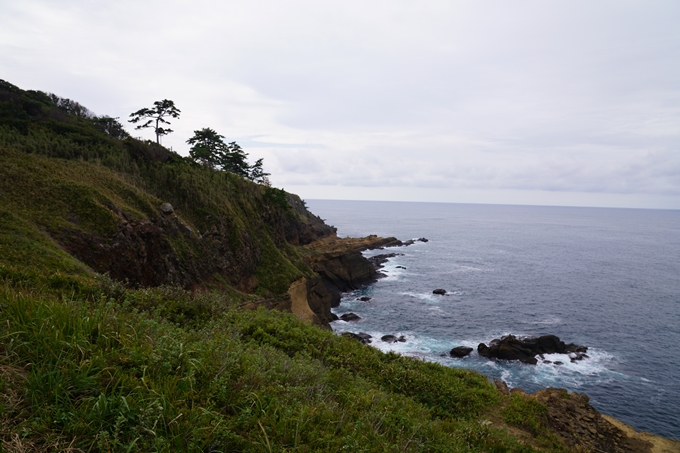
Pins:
x,y
63,178
169,361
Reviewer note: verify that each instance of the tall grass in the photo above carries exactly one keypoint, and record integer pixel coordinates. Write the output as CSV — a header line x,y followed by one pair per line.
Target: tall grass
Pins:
x,y
116,374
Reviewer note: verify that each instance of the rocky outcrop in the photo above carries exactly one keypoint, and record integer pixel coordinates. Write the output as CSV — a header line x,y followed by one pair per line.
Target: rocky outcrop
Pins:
x,y
304,227
145,252
340,264
379,260
348,317
361,336
583,428
299,303
393,339
319,300
460,351
526,349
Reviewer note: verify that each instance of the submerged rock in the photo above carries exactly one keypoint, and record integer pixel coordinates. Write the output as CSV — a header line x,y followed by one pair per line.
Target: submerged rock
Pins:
x,y
364,298
413,241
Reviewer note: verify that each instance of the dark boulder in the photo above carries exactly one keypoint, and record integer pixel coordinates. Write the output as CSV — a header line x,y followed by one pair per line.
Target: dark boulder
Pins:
x,y
350,317
364,299
378,261
485,351
460,351
361,336
526,349
334,317
439,291
389,338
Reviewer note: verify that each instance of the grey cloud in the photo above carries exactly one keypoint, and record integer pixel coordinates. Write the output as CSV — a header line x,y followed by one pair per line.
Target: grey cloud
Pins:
x,y
524,96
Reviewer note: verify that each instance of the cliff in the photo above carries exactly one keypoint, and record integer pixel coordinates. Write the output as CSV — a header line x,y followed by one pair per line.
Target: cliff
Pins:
x,y
132,282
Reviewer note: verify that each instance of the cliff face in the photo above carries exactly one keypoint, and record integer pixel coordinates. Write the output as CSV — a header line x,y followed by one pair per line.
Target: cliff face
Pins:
x,y
340,264
141,213
75,201
582,428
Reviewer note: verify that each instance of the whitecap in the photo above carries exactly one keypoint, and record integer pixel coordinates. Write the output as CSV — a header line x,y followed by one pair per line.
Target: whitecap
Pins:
x,y
427,297
549,321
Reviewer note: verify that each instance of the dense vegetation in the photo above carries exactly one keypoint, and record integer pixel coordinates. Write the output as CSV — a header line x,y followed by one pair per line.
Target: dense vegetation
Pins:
x,y
91,364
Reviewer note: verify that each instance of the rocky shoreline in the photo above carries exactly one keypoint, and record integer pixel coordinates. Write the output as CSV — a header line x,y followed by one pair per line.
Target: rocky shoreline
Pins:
x,y
341,267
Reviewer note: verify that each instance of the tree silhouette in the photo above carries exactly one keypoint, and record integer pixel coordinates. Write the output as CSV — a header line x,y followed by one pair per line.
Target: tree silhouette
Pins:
x,y
161,109
208,148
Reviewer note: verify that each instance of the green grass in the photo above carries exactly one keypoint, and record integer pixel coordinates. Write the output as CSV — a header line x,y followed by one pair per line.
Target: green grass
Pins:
x,y
117,374
50,196
88,364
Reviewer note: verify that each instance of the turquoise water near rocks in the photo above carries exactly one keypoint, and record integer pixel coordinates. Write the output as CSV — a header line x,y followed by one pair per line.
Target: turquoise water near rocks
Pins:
x,y
608,279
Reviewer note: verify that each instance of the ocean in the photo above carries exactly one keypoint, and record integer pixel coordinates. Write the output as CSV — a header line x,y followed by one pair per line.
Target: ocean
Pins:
x,y
608,279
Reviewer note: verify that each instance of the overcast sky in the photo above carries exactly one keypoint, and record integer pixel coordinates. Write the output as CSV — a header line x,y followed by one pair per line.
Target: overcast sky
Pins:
x,y
523,102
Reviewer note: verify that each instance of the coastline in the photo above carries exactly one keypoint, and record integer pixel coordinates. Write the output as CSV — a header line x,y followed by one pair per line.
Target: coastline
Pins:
x,y
572,418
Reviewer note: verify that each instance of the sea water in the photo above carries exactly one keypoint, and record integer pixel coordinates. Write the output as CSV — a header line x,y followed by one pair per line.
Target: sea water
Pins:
x,y
608,279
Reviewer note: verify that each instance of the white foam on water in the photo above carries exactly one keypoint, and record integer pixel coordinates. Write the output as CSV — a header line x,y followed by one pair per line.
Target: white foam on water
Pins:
x,y
463,268
393,272
548,321
427,297
571,375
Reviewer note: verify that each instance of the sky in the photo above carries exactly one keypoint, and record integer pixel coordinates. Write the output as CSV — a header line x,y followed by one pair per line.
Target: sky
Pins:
x,y
572,103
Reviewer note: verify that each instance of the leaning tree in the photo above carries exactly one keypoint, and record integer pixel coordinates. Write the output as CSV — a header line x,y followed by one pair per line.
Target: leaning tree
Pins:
x,y
156,117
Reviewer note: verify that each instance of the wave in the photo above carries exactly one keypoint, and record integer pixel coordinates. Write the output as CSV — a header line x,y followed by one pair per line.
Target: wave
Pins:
x,y
598,369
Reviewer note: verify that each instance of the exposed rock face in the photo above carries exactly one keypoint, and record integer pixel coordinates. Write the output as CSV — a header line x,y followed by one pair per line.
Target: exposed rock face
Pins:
x,y
583,428
299,303
379,260
310,301
319,300
302,233
340,264
141,253
525,350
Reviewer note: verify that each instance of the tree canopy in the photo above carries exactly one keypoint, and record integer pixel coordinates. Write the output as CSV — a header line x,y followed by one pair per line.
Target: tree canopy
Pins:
x,y
208,148
156,117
